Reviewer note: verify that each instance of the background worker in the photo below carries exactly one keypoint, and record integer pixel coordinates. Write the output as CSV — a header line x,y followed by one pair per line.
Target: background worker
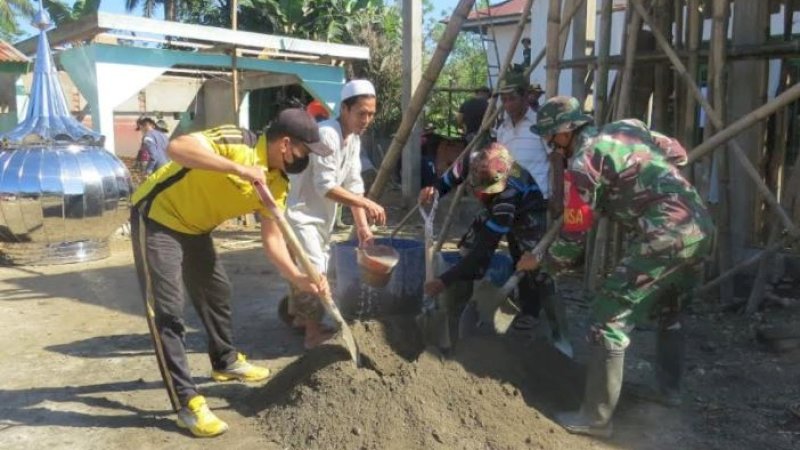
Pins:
x,y
514,208
470,113
316,194
628,173
210,180
154,142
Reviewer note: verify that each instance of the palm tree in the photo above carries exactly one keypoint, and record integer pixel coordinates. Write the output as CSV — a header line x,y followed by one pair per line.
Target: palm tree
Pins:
x,y
10,11
149,7
60,13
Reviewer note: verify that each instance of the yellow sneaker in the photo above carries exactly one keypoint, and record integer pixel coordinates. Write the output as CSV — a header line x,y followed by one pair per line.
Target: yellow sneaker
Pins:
x,y
199,419
241,370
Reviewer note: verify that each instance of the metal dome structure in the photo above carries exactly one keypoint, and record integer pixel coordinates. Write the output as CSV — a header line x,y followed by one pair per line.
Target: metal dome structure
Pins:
x,y
62,194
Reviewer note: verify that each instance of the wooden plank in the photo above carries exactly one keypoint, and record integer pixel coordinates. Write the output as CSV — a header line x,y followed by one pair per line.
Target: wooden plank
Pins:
x,y
102,21
82,29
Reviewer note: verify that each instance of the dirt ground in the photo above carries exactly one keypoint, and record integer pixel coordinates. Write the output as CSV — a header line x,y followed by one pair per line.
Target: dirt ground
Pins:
x,y
77,371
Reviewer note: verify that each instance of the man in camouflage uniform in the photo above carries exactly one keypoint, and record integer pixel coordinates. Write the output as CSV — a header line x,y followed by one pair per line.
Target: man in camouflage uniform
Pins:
x,y
514,208
630,174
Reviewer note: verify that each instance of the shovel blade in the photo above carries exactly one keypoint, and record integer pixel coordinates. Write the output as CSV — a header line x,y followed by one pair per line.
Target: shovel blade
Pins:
x,y
493,305
435,329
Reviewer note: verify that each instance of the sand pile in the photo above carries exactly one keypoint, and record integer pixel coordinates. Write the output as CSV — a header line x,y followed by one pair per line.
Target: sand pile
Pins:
x,y
489,394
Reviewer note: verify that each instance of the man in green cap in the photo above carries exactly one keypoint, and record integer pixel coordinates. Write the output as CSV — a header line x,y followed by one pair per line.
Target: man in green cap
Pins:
x,y
630,174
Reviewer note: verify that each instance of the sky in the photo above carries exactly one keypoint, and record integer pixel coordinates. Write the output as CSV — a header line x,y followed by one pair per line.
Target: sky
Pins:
x,y
118,7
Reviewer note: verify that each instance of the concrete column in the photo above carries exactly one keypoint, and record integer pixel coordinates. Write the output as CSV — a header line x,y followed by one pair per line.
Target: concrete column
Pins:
x,y
746,91
412,73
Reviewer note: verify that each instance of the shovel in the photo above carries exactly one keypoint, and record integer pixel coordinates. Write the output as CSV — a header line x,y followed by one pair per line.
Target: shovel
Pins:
x,y
433,322
494,307
297,251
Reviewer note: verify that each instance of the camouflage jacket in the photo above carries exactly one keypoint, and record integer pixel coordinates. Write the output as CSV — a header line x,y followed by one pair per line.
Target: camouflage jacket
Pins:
x,y
630,174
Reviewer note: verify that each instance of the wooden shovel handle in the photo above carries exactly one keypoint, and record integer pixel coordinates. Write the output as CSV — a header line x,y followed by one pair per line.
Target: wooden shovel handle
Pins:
x,y
290,237
539,249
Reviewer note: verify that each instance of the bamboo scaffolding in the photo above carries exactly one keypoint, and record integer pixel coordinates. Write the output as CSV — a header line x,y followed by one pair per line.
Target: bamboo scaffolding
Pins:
x,y
429,77
706,288
626,81
553,47
757,293
601,78
719,35
488,120
714,117
776,171
787,97
689,119
661,76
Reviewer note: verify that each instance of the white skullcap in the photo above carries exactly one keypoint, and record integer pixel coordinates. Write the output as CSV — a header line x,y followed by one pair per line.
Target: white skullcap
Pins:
x,y
357,87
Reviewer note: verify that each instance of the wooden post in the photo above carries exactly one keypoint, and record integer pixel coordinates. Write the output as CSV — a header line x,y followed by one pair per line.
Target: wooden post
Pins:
x,y
412,69
429,78
689,119
234,63
662,75
714,117
747,90
553,47
579,50
717,67
757,293
626,81
601,77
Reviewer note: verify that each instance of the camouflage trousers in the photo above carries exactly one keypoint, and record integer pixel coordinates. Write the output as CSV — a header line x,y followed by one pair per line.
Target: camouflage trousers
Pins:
x,y
646,287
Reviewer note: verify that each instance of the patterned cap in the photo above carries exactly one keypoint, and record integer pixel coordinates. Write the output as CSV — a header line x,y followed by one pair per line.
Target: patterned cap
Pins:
x,y
559,115
489,169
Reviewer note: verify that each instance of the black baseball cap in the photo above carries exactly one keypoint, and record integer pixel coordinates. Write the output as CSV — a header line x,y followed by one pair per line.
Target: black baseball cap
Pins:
x,y
143,120
297,123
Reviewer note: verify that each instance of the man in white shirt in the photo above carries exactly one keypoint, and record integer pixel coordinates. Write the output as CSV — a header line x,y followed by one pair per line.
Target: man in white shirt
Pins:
x,y
515,134
314,194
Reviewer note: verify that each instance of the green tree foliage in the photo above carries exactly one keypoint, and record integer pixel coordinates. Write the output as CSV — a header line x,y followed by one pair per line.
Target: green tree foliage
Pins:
x,y
11,12
466,68
61,13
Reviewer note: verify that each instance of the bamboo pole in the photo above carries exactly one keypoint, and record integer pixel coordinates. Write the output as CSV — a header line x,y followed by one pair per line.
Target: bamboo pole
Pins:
x,y
714,117
553,47
626,81
757,293
789,96
661,78
780,141
488,121
678,98
706,288
719,35
429,77
601,79
689,120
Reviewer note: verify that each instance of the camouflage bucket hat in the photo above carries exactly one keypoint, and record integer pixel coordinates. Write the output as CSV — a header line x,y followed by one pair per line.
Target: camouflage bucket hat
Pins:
x,y
514,81
489,169
558,115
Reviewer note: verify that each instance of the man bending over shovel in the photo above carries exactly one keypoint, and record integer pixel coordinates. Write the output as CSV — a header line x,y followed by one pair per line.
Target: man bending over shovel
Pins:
x,y
329,182
514,208
630,174
210,180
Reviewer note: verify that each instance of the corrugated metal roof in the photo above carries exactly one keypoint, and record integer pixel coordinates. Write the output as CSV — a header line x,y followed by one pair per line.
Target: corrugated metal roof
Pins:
x,y
10,54
507,8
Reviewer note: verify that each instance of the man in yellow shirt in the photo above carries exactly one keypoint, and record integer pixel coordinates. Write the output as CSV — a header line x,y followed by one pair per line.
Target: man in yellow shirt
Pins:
x,y
210,180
